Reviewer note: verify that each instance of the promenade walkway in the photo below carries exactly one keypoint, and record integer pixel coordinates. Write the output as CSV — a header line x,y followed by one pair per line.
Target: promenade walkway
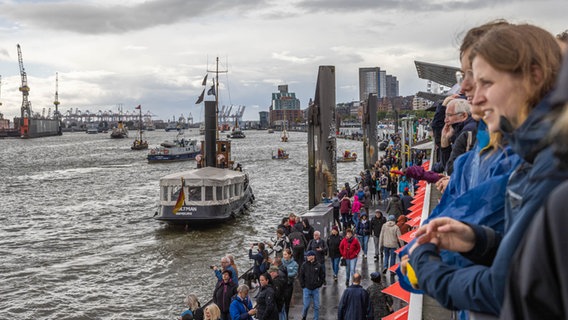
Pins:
x,y
331,293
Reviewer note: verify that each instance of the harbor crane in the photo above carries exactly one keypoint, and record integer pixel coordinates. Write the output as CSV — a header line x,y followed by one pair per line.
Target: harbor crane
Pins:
x,y
26,106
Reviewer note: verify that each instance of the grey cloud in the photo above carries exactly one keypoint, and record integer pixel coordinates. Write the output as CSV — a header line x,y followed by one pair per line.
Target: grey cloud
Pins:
x,y
403,5
88,18
4,53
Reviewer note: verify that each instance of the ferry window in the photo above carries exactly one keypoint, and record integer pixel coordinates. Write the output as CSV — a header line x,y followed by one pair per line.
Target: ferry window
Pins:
x,y
208,193
227,192
175,192
219,193
164,193
194,194
235,191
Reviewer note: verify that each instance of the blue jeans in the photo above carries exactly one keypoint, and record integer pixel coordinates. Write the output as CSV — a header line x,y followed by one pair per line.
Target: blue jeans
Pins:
x,y
335,265
350,265
385,194
311,295
355,219
282,314
364,240
323,267
389,253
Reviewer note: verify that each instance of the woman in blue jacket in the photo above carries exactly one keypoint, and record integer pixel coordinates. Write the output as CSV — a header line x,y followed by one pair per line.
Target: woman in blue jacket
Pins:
x,y
514,67
241,306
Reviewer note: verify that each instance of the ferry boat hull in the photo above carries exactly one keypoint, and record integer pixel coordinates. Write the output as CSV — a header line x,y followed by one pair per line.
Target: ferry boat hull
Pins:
x,y
210,195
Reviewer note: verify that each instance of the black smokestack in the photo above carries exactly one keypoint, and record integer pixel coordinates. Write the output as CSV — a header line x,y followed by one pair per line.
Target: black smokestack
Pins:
x,y
210,134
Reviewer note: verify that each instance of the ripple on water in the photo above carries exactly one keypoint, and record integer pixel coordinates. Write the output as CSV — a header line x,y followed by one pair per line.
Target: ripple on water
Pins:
x,y
79,242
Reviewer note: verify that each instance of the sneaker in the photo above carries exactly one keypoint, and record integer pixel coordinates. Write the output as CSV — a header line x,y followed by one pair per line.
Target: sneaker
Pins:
x,y
384,270
335,278
347,283
364,256
376,258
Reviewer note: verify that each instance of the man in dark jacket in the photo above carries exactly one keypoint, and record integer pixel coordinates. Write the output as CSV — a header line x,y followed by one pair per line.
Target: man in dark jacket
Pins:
x,y
406,200
355,303
311,279
333,242
279,283
376,225
319,246
380,302
223,294
458,123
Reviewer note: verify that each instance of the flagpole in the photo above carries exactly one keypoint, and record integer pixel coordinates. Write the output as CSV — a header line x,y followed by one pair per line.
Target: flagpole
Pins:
x,y
216,85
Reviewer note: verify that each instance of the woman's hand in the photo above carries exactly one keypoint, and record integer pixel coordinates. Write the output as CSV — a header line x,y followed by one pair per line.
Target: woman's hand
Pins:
x,y
447,234
442,183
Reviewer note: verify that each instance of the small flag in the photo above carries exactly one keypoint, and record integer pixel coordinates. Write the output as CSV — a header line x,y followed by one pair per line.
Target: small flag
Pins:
x,y
181,198
139,106
211,91
200,99
204,82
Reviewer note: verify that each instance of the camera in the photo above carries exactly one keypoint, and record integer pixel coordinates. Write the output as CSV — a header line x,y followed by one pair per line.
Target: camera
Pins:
x,y
212,267
255,243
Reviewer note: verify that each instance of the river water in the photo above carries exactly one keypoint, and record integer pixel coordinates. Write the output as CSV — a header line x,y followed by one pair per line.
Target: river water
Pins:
x,y
77,238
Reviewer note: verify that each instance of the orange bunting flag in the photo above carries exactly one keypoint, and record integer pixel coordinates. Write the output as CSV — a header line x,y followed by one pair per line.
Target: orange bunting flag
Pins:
x,y
181,199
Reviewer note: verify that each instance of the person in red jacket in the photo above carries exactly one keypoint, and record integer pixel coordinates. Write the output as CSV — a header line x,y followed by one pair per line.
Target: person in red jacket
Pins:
x,y
345,211
349,249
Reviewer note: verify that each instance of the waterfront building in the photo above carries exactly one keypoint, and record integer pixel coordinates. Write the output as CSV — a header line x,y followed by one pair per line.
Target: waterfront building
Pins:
x,y
285,108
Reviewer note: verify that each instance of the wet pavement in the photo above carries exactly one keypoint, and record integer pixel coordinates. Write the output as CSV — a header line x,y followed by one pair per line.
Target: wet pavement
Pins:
x,y
330,294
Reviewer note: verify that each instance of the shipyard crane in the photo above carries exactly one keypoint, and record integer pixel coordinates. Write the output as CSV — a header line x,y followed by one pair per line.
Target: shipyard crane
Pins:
x,y
26,107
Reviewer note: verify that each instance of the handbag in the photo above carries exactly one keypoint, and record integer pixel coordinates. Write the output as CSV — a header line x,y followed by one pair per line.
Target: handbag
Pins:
x,y
342,262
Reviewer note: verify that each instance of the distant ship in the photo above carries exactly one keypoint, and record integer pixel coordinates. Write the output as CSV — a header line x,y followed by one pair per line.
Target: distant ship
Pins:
x,y
180,149
119,132
139,143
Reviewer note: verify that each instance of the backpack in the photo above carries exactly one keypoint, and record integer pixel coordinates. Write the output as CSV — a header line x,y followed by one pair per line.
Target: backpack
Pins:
x,y
296,240
335,202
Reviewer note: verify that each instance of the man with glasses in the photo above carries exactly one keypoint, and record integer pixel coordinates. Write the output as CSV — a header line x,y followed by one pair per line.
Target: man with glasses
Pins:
x,y
458,134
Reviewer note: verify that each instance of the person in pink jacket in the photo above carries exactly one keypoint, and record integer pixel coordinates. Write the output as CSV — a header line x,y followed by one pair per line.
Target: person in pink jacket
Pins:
x,y
355,210
349,248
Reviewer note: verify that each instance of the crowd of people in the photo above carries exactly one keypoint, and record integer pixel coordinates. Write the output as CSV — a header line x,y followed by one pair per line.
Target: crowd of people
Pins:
x,y
492,247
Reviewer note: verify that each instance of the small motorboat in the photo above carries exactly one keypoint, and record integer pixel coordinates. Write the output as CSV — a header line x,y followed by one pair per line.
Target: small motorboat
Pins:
x,y
281,154
347,157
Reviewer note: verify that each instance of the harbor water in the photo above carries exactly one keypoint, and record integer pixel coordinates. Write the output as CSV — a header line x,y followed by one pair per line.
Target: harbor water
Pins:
x,y
78,241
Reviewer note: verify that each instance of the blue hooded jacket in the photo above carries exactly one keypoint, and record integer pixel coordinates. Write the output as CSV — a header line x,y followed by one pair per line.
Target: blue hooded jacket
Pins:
x,y
480,287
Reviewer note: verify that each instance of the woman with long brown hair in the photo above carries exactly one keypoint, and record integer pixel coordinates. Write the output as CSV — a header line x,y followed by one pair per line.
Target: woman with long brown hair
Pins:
x,y
514,67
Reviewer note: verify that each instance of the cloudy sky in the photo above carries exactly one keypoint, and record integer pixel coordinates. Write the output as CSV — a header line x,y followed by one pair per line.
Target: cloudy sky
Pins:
x,y
156,52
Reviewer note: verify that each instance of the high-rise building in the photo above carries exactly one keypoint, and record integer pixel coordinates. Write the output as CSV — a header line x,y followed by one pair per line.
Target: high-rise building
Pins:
x,y
377,81
391,86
